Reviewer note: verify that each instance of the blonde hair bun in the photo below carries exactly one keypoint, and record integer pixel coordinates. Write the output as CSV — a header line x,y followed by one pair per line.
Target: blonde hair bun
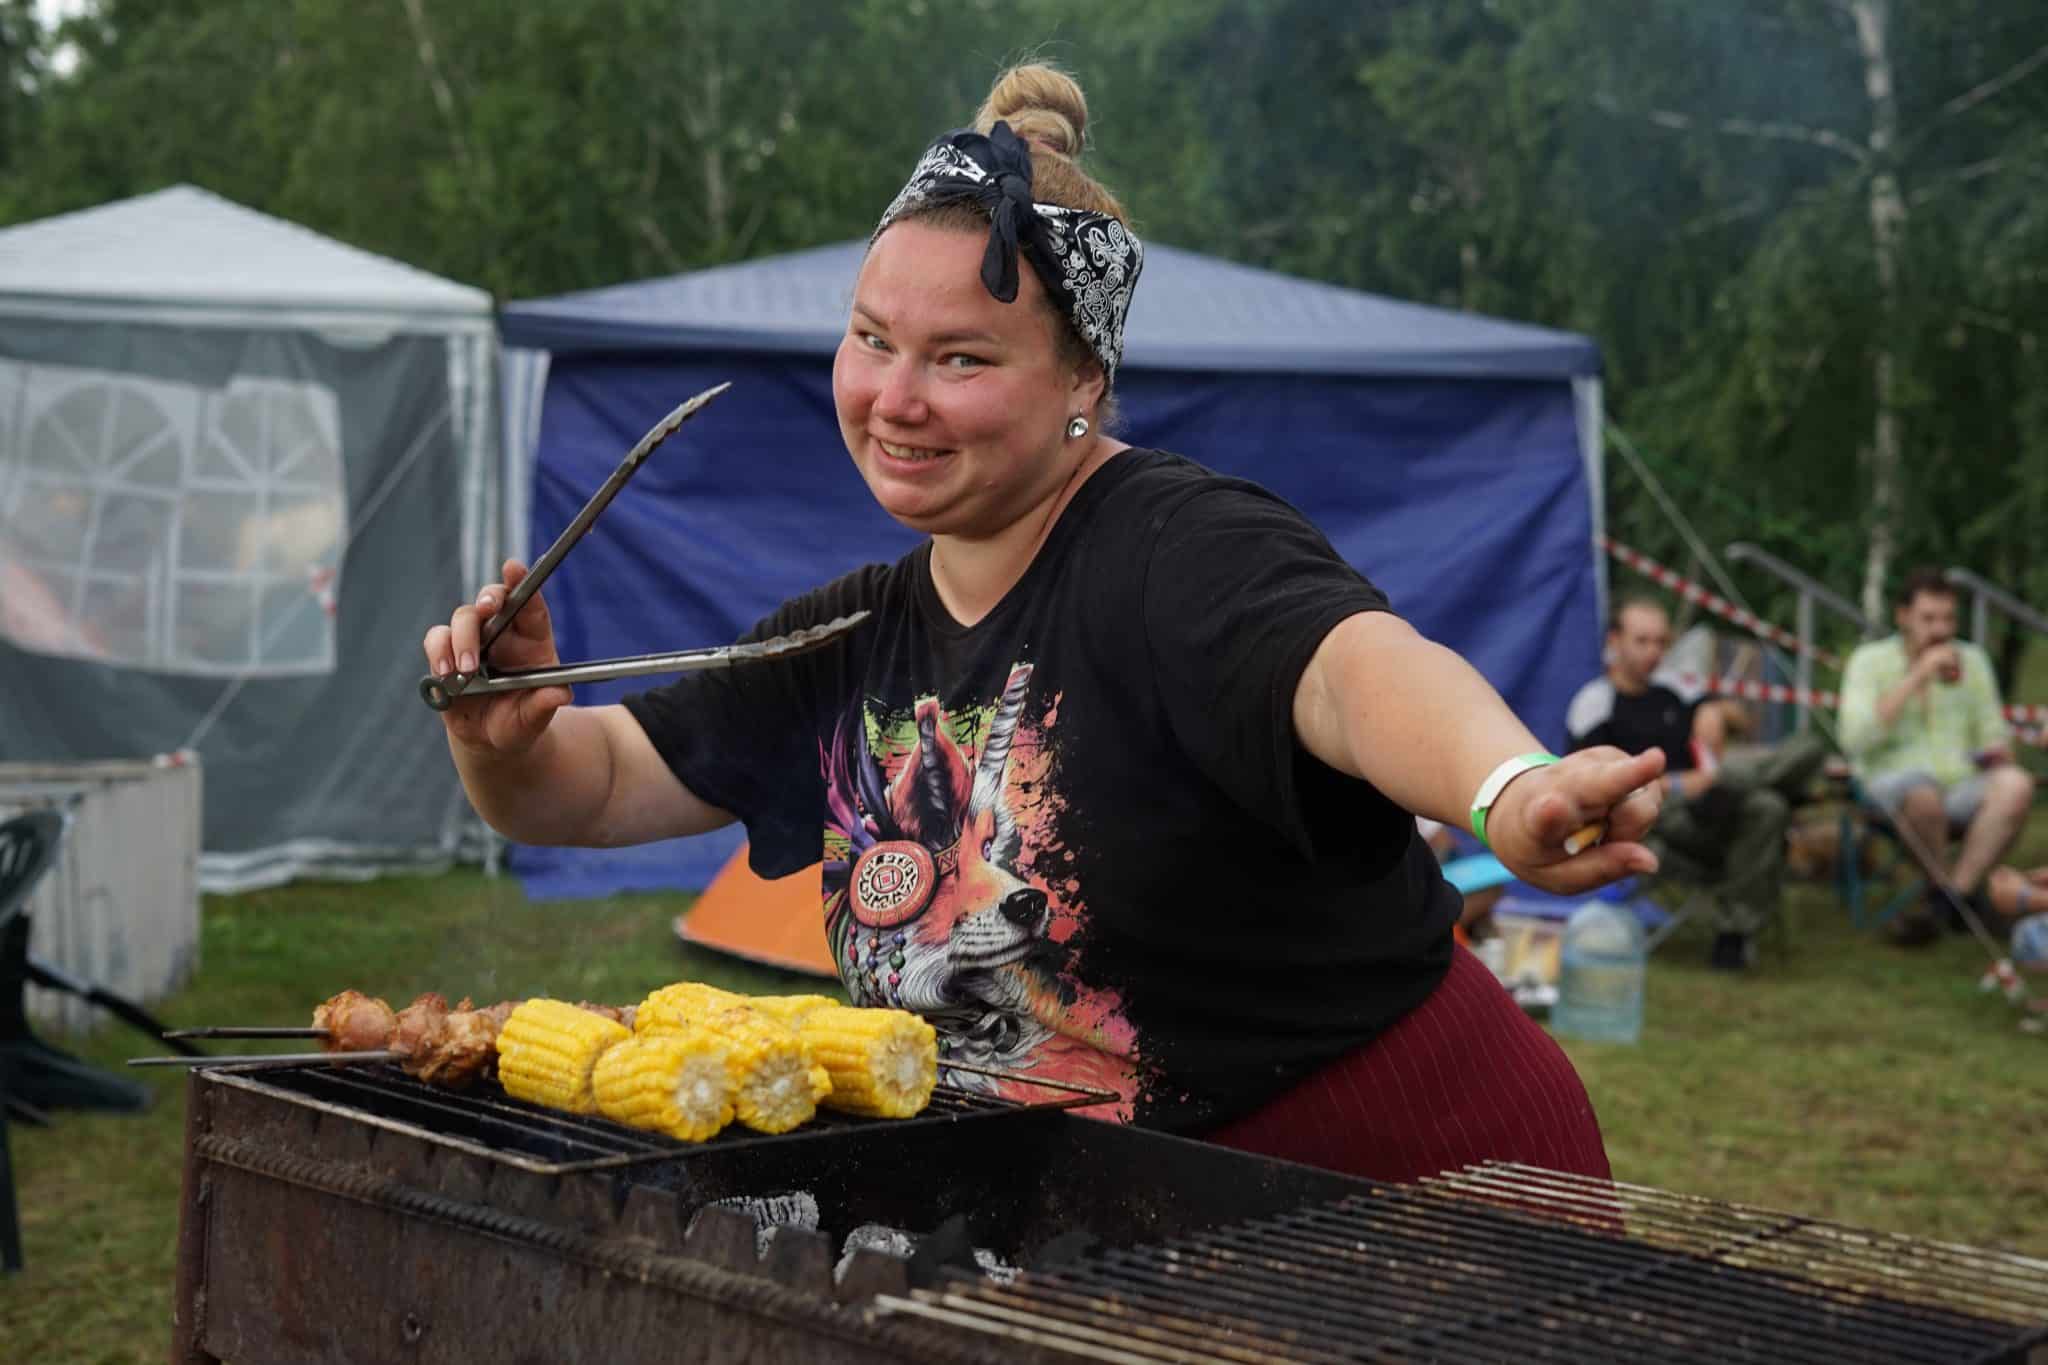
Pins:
x,y
1042,104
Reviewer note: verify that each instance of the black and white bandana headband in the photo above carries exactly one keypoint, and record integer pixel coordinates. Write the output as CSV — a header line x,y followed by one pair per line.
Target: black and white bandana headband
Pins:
x,y
1089,262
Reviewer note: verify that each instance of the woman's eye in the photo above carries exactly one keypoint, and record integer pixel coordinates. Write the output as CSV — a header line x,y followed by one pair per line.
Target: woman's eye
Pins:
x,y
873,342
964,362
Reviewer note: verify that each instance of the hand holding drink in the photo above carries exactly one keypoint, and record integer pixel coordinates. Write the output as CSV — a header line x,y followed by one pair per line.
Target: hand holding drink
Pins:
x,y
1945,663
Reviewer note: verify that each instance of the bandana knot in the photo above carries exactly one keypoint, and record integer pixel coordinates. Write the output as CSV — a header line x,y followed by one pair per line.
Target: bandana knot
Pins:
x,y
1088,262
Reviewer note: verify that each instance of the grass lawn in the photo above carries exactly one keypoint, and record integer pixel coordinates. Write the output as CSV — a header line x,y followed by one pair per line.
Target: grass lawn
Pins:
x,y
1845,1079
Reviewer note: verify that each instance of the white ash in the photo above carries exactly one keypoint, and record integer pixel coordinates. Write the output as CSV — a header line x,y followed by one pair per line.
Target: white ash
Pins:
x,y
795,1209
903,1245
873,1237
994,1266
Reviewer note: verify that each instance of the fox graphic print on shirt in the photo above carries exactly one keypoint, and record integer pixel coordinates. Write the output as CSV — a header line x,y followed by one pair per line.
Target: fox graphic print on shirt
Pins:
x,y
941,892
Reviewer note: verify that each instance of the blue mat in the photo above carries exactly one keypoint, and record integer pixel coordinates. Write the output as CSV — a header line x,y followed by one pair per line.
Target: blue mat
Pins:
x,y
1482,871
1525,900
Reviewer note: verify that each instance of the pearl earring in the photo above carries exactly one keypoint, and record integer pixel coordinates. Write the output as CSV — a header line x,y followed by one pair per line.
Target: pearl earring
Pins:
x,y
1077,428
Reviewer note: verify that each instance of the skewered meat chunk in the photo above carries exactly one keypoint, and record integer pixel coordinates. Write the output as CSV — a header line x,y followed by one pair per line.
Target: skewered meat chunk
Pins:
x,y
883,1063
618,1014
548,1049
354,1022
676,1083
418,1023
462,1046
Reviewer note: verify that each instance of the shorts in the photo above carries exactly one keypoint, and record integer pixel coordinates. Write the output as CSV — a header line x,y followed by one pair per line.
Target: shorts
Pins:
x,y
1960,799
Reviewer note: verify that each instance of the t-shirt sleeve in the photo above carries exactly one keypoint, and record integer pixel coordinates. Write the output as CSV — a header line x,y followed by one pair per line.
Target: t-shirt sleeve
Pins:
x,y
1862,735
746,740
1239,591
1690,688
1588,720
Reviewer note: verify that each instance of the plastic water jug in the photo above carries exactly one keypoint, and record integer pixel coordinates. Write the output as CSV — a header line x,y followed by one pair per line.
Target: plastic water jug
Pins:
x,y
1601,966
2030,941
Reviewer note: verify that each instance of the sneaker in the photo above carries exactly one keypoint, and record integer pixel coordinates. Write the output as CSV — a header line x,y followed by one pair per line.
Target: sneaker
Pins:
x,y
1912,928
1732,952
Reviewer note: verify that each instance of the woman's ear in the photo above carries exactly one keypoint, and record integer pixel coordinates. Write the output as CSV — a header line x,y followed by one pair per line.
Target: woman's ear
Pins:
x,y
1088,385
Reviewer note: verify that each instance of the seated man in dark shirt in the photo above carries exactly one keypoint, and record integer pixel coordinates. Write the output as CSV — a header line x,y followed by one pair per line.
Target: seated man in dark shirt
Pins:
x,y
1727,817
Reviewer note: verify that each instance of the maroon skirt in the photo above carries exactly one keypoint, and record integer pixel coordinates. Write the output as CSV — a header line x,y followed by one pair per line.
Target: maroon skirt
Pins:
x,y
1464,1077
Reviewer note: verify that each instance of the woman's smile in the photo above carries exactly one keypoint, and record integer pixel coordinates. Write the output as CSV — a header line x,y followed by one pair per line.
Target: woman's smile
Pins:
x,y
908,454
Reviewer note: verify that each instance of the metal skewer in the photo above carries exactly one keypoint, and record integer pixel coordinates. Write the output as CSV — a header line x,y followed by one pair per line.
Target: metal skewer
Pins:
x,y
440,692
270,1059
242,1031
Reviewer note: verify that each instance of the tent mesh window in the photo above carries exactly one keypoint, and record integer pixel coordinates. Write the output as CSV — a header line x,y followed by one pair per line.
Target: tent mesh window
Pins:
x,y
167,526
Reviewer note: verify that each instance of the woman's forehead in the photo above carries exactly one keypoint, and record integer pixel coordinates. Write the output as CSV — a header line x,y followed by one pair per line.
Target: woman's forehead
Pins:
x,y
927,280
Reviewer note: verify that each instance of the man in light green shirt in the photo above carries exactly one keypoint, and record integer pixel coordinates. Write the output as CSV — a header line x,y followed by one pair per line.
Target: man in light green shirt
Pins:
x,y
1922,722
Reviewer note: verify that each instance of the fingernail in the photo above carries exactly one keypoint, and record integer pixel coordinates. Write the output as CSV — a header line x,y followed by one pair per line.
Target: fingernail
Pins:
x,y
483,599
468,662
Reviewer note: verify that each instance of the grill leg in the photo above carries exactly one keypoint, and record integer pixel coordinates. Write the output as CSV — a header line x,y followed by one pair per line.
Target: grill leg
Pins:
x,y
188,1302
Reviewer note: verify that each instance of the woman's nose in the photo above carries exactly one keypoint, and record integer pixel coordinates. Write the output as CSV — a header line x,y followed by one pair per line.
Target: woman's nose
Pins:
x,y
901,396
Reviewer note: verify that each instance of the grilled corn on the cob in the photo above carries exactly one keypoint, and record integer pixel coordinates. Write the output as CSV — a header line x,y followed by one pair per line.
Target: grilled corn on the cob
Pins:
x,y
776,1083
791,1009
683,1002
676,1082
546,1052
883,1063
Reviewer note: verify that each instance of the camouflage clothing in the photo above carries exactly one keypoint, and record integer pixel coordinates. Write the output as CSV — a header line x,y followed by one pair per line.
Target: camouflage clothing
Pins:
x,y
1730,839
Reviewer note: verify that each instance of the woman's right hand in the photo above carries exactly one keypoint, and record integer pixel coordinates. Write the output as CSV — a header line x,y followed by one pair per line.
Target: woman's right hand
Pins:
x,y
505,722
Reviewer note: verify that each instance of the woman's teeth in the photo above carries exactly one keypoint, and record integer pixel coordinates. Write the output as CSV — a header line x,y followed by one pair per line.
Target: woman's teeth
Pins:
x,y
909,452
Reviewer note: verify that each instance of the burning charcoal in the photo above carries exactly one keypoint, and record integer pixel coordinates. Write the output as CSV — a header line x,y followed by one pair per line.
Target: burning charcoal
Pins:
x,y
995,1267
794,1209
873,1237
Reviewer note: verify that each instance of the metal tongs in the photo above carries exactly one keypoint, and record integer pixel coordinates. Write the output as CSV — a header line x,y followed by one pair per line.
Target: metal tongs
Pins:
x,y
441,692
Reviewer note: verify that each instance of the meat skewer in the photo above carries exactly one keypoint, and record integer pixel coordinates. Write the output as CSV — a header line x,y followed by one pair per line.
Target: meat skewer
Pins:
x,y
434,1043
267,1058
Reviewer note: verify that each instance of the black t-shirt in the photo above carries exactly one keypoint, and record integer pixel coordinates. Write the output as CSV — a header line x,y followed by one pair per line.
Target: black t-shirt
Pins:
x,y
1658,717
1080,836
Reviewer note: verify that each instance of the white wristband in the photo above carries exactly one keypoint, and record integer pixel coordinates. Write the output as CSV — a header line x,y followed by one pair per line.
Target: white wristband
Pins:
x,y
1497,782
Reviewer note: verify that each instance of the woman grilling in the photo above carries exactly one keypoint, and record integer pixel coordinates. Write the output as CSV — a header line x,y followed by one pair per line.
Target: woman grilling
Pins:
x,y
1114,784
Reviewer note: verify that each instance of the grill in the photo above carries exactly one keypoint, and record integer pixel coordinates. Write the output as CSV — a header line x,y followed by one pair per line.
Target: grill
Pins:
x,y
491,1124
1515,1263
353,1215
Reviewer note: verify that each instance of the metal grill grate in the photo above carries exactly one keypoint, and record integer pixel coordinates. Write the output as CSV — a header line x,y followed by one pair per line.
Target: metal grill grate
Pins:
x,y
1503,1262
485,1121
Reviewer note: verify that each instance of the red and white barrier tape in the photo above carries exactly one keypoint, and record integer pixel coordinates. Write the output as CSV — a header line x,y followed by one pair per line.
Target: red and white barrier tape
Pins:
x,y
1690,591
2018,713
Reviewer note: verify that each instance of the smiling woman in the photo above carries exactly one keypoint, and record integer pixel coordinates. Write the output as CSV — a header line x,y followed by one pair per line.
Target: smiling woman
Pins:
x,y
1114,784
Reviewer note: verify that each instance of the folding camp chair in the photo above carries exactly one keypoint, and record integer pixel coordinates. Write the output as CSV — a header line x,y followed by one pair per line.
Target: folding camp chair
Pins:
x,y
27,844
1869,835
35,1077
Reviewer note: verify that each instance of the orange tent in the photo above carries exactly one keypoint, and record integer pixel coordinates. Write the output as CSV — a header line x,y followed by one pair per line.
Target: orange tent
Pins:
x,y
776,923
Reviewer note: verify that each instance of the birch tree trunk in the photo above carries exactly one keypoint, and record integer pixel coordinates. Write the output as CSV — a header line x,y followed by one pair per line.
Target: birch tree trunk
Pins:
x,y
1887,225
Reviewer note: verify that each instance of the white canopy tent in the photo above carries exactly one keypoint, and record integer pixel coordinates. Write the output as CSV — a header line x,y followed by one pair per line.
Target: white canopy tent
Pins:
x,y
242,468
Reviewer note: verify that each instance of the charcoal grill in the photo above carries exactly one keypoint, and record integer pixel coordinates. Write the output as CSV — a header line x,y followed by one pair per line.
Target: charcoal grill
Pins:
x,y
351,1214
1505,1262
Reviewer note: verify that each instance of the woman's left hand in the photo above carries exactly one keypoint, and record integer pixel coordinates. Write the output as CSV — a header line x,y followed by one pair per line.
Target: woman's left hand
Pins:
x,y
1529,826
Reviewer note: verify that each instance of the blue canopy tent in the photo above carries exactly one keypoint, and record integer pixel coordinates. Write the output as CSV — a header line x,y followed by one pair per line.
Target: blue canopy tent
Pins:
x,y
1454,459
